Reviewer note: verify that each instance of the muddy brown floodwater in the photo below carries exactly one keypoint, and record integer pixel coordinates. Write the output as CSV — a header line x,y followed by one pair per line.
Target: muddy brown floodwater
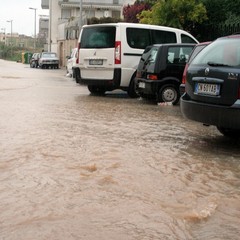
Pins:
x,y
76,166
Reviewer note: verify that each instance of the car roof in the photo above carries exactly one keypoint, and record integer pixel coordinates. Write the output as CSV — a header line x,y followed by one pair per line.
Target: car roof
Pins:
x,y
203,43
173,44
235,35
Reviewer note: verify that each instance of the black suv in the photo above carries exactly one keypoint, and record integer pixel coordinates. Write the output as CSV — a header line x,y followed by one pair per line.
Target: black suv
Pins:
x,y
160,71
213,86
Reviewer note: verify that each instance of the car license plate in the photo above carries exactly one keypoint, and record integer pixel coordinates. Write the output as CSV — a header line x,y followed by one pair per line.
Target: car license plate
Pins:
x,y
95,62
208,89
141,85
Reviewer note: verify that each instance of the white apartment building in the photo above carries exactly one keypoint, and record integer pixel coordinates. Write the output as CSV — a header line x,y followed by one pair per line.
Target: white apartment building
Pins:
x,y
65,21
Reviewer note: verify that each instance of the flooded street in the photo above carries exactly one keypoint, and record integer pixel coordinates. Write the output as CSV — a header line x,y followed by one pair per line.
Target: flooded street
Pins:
x,y
76,166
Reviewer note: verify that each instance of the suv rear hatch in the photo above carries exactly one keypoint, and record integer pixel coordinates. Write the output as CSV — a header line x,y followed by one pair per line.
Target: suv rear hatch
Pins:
x,y
213,76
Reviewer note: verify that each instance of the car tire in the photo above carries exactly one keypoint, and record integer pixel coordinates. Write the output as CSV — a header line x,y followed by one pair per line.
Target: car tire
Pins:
x,y
132,89
227,132
168,93
96,90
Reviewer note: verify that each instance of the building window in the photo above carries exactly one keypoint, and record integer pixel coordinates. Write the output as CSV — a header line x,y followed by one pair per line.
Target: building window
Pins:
x,y
116,14
66,13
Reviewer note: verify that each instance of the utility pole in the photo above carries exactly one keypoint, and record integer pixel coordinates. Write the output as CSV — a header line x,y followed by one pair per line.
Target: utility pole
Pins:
x,y
80,19
10,21
35,9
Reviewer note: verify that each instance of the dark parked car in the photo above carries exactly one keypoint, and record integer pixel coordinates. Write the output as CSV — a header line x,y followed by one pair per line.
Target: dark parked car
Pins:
x,y
198,48
160,71
34,60
213,86
48,60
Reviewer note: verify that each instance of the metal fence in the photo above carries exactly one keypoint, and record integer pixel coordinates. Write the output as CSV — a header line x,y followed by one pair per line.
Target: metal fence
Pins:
x,y
211,32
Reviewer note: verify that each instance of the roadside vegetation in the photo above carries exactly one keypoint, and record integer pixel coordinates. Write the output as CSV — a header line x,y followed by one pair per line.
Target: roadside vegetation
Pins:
x,y
14,53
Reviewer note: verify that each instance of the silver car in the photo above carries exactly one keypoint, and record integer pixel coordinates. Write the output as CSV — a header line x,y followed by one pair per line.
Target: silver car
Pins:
x,y
48,60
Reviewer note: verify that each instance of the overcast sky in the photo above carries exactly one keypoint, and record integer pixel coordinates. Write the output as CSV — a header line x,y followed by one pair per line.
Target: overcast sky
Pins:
x,y
22,16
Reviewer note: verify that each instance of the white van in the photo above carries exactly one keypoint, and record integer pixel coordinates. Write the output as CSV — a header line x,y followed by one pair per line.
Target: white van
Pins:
x,y
109,53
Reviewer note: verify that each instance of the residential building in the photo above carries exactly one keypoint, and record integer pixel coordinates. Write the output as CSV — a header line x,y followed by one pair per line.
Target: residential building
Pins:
x,y
17,40
65,21
43,31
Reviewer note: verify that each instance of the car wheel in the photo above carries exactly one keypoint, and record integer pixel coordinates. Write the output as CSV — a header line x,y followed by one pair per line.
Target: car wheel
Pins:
x,y
73,73
227,132
168,93
96,90
132,89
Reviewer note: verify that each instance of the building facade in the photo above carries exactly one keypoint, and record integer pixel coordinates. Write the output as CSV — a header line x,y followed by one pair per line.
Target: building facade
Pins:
x,y
16,40
66,18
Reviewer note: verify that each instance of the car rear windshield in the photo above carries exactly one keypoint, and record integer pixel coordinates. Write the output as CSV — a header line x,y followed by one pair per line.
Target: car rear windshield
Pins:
x,y
98,37
49,55
222,52
196,50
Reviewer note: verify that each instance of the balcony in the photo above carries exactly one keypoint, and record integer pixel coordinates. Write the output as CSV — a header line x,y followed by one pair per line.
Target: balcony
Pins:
x,y
92,4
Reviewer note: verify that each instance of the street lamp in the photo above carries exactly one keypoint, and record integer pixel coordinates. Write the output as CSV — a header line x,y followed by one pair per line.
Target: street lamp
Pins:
x,y
35,9
10,21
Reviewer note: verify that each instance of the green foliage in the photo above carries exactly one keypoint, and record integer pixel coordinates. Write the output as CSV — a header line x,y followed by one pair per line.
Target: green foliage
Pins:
x,y
12,53
148,2
182,14
95,20
222,11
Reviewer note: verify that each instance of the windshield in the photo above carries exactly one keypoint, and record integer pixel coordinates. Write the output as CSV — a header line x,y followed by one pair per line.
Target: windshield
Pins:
x,y
49,55
222,52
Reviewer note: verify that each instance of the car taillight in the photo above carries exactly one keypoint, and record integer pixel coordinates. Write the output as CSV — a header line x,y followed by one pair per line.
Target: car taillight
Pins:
x,y
184,77
152,77
117,52
77,60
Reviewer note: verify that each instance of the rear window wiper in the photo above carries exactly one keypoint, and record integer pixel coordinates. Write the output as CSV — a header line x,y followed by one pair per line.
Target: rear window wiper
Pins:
x,y
218,64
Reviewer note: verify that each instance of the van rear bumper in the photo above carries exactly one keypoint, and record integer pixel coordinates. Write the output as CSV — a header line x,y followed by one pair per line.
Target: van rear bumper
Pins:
x,y
113,83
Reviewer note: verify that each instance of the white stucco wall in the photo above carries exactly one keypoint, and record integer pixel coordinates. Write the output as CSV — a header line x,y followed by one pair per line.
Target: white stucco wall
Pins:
x,y
55,14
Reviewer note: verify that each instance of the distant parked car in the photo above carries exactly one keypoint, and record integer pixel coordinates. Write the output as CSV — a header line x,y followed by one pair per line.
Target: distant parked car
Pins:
x,y
34,60
160,70
213,86
198,48
71,62
48,60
